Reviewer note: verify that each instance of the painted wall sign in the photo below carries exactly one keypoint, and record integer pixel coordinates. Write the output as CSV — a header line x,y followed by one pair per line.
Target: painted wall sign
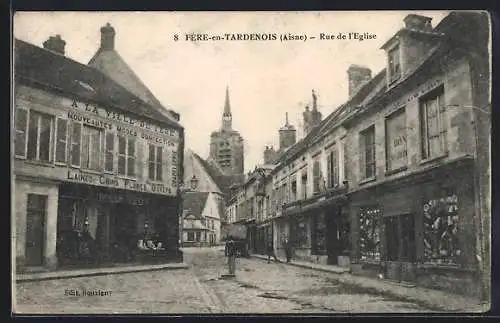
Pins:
x,y
397,154
79,176
114,116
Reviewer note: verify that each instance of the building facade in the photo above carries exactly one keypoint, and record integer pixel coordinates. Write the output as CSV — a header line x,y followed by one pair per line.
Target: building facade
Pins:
x,y
89,158
201,220
226,144
395,182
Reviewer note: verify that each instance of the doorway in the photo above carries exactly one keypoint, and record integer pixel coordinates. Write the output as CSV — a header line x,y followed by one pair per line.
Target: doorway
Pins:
x,y
337,233
35,229
400,251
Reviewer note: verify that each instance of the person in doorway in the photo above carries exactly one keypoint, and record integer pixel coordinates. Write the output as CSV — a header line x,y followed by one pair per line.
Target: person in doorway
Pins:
x,y
288,249
270,252
230,251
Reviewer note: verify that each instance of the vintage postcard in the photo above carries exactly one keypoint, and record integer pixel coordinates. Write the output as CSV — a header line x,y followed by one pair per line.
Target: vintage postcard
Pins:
x,y
251,162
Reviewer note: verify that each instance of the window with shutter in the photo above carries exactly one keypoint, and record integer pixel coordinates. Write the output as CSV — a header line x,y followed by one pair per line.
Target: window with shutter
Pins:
x,y
21,125
61,140
76,142
40,134
109,155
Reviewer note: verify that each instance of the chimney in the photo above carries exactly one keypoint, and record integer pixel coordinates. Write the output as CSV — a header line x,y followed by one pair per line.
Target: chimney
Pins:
x,y
107,37
55,44
357,76
418,22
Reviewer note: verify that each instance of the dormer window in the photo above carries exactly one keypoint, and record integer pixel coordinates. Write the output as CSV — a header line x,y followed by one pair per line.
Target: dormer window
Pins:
x,y
394,64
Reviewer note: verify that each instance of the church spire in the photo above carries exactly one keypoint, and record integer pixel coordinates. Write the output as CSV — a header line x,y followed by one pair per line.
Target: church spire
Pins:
x,y
227,105
226,115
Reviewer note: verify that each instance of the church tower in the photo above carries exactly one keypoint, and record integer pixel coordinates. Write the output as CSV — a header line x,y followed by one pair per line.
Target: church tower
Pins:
x,y
226,144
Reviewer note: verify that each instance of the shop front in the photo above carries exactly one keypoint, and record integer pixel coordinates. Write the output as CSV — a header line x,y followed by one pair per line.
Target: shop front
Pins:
x,y
264,237
418,229
98,225
319,229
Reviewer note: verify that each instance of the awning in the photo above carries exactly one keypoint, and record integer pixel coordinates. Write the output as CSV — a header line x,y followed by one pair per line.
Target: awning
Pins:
x,y
318,203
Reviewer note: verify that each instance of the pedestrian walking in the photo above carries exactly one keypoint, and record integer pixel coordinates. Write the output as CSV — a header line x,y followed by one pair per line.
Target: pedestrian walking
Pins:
x,y
288,250
270,252
230,252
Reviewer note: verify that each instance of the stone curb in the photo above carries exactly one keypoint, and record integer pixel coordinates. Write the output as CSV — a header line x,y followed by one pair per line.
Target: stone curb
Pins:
x,y
384,288
95,272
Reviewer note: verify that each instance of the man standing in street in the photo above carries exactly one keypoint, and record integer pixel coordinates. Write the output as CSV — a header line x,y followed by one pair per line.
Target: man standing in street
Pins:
x,y
288,249
230,251
270,252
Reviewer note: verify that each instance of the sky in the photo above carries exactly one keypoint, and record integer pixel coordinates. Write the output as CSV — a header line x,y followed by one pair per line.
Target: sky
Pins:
x,y
266,79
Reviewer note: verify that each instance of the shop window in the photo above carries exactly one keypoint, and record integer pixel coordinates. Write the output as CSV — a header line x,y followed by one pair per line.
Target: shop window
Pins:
x,y
394,64
333,167
40,131
367,149
126,156
441,242
21,124
76,139
396,148
91,147
318,233
400,238
369,233
61,140
155,163
109,156
433,124
299,230
190,236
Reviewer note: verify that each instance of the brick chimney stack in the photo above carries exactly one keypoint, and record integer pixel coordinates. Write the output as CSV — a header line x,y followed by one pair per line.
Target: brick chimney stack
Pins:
x,y
55,44
357,76
418,22
107,37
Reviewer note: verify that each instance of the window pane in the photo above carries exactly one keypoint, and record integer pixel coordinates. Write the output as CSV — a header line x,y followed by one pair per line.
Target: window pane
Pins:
x,y
21,124
109,156
131,166
85,147
121,145
159,153
33,135
131,147
121,165
151,153
62,137
151,170
45,146
95,148
159,172
76,139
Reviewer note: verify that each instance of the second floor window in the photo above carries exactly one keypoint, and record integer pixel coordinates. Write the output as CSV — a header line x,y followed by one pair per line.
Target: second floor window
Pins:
x,y
333,168
109,155
367,149
91,147
303,183
394,64
126,156
155,162
61,140
432,124
40,131
294,190
316,175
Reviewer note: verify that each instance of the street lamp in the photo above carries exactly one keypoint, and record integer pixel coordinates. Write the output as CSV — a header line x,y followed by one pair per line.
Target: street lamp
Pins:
x,y
480,253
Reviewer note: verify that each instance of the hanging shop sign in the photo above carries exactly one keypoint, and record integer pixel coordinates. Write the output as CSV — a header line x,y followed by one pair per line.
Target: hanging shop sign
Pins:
x,y
77,176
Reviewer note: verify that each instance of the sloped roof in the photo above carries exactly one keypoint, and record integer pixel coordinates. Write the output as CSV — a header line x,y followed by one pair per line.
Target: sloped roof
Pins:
x,y
194,203
112,64
223,181
44,68
193,166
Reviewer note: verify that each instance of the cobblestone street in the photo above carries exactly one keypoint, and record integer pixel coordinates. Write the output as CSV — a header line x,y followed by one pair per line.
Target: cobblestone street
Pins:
x,y
259,287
